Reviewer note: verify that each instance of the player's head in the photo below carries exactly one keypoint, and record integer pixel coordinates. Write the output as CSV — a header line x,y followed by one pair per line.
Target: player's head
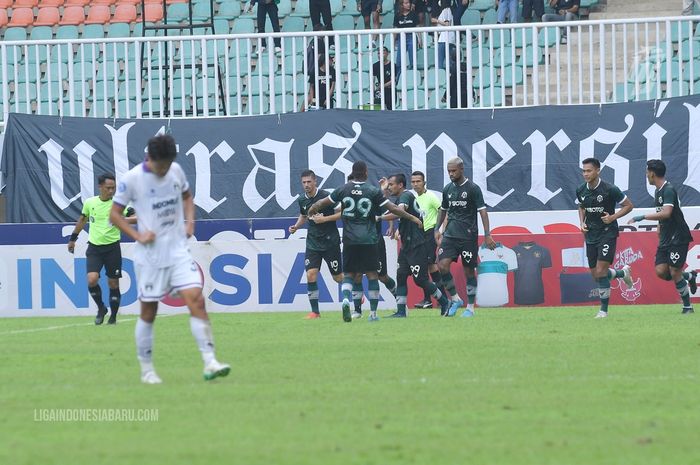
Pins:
x,y
455,169
107,184
656,169
590,167
308,181
397,183
161,153
418,182
359,171
351,177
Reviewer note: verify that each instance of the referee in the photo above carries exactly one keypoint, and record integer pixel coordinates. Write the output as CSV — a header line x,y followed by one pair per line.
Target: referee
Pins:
x,y
103,247
429,205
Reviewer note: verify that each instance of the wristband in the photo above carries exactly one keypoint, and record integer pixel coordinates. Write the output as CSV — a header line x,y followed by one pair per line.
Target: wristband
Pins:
x,y
73,237
638,218
487,233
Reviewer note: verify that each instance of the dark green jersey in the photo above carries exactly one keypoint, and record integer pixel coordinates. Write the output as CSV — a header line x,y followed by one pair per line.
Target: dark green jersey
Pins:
x,y
360,201
322,236
411,234
674,230
595,203
461,203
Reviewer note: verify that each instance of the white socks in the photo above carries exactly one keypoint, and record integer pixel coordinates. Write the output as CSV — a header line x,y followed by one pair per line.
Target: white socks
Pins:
x,y
201,330
144,345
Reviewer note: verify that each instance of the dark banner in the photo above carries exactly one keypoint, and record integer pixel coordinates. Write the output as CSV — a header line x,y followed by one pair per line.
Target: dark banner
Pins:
x,y
524,159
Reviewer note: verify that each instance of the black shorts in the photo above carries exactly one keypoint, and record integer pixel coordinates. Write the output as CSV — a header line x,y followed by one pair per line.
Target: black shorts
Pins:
x,y
313,258
381,256
414,262
360,258
603,251
430,246
672,255
368,6
452,248
109,256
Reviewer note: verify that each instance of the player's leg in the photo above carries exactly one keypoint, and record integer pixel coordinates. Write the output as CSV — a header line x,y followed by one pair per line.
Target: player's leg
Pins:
x,y
430,248
113,270
418,266
601,272
350,275
369,263
94,264
447,254
382,269
186,280
143,335
402,273
469,258
676,257
357,292
312,263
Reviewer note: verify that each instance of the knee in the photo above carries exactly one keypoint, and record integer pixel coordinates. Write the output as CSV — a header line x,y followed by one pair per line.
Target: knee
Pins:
x,y
312,275
338,278
92,280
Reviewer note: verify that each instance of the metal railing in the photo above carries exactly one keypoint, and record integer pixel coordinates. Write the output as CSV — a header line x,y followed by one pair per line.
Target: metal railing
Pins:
x,y
231,75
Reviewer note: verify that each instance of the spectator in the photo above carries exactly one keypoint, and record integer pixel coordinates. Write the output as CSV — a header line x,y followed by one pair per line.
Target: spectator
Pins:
x,y
567,10
371,8
446,40
529,6
460,7
688,7
383,68
509,7
268,8
319,43
318,8
405,18
457,101
322,78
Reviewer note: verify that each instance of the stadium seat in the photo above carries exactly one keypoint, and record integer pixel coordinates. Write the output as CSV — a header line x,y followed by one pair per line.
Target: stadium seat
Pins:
x,y
677,89
126,108
413,79
692,73
343,23
76,3
281,85
415,99
284,8
518,39
243,26
98,14
491,97
490,16
504,57
684,50
47,16
200,12
124,13
25,4
681,31
153,12
547,37
676,70
483,78
483,58
3,17
55,88
258,84
6,4
93,31
302,9
72,15
257,105
531,56
336,7
54,3
512,75
21,17
229,10
285,103
178,12
481,5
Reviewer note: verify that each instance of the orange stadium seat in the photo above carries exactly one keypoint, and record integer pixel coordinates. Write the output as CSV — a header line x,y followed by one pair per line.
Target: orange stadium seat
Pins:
x,y
98,14
73,15
47,16
124,13
3,17
102,2
76,2
21,17
45,3
25,3
153,12
5,4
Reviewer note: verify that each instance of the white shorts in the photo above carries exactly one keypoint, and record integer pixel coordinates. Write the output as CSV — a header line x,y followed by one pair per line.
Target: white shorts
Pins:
x,y
155,283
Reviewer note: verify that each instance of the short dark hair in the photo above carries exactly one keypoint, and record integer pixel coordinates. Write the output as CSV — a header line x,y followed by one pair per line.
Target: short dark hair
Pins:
x,y
400,178
308,173
351,177
103,177
162,147
591,161
418,173
359,170
657,167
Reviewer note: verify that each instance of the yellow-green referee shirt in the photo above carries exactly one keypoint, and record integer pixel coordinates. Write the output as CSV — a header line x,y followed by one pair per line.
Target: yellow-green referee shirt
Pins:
x,y
429,204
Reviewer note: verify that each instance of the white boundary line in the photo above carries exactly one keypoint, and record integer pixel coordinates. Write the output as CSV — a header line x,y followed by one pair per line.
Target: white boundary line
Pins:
x,y
74,325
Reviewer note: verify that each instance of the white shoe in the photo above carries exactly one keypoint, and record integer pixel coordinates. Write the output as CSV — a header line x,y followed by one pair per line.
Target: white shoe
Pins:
x,y
215,370
601,314
150,377
627,278
278,49
356,315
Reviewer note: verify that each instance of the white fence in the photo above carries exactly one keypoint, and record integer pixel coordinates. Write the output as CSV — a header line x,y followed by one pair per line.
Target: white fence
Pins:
x,y
230,75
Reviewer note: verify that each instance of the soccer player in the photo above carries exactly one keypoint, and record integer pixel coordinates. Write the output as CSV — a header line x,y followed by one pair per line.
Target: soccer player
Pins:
x,y
461,199
413,256
103,248
359,201
429,205
674,234
160,193
322,239
597,200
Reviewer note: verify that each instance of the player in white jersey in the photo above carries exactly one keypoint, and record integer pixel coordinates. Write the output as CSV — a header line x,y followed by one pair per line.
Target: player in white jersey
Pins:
x,y
159,191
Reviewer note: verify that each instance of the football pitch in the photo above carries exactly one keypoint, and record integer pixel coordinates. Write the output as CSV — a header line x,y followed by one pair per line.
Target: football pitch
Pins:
x,y
510,386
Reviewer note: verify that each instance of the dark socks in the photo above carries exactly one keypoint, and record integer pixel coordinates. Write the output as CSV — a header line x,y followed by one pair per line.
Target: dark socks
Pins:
x,y
96,294
682,288
604,293
115,299
312,289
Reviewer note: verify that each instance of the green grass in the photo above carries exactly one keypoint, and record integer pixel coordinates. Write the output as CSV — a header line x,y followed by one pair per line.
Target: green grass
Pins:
x,y
526,386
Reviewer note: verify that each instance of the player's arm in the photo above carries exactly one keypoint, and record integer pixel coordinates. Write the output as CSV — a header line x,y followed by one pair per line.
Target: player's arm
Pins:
x,y
300,222
319,205
79,225
627,207
440,224
130,215
188,205
116,217
582,219
401,213
664,214
320,218
488,240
